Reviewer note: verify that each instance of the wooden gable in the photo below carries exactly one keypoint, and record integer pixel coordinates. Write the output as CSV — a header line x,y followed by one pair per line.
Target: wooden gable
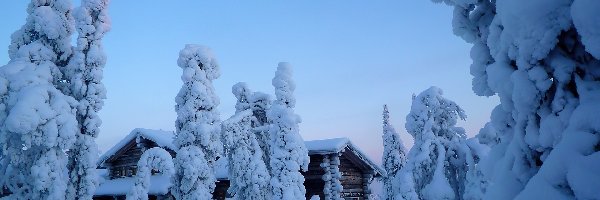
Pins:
x,y
124,162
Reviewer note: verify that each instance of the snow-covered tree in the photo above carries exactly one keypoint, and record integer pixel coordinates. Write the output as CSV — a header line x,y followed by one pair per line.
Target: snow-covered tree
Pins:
x,y
198,125
37,125
288,155
332,189
152,160
49,24
475,182
259,103
37,121
247,171
540,58
394,157
242,93
477,149
84,77
436,162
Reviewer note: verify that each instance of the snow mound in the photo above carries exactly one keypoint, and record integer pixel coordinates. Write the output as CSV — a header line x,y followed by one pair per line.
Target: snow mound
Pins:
x,y
159,185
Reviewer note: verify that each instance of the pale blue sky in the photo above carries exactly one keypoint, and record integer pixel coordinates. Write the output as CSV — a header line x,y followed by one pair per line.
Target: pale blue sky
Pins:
x,y
349,58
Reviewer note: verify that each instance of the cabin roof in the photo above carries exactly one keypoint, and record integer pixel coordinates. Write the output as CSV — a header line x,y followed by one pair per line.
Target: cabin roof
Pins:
x,y
164,139
343,145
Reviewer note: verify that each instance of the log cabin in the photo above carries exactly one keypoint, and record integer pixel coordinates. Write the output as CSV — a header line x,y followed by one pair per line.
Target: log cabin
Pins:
x,y
117,167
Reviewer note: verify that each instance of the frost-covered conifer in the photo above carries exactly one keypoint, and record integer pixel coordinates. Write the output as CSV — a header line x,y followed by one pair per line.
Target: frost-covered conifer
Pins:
x,y
198,125
247,171
541,58
475,183
332,189
288,155
84,77
37,125
259,103
37,121
436,162
394,157
155,159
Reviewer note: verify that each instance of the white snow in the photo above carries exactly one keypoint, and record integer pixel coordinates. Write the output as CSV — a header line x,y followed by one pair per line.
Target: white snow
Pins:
x,y
326,146
159,184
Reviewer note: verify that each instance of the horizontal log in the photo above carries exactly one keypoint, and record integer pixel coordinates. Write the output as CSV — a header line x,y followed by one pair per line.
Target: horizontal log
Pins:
x,y
313,177
351,180
351,190
352,187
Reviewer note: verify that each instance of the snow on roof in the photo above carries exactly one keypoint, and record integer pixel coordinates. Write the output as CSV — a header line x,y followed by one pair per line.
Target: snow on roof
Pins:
x,y
326,146
159,185
161,138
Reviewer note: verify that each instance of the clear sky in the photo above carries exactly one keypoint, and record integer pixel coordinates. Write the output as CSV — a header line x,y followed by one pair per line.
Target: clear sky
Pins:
x,y
350,57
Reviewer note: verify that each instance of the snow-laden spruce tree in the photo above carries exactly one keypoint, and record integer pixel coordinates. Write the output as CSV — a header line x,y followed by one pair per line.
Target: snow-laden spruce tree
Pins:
x,y
198,125
37,121
477,149
154,159
333,188
37,125
84,77
288,155
247,171
436,162
541,58
259,103
394,157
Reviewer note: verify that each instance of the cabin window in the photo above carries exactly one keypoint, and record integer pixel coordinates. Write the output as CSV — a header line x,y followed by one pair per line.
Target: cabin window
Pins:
x,y
123,172
116,172
133,170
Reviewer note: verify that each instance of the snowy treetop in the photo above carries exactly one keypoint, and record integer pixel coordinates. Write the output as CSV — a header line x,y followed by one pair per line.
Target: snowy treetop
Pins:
x,y
430,105
193,56
242,93
284,85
